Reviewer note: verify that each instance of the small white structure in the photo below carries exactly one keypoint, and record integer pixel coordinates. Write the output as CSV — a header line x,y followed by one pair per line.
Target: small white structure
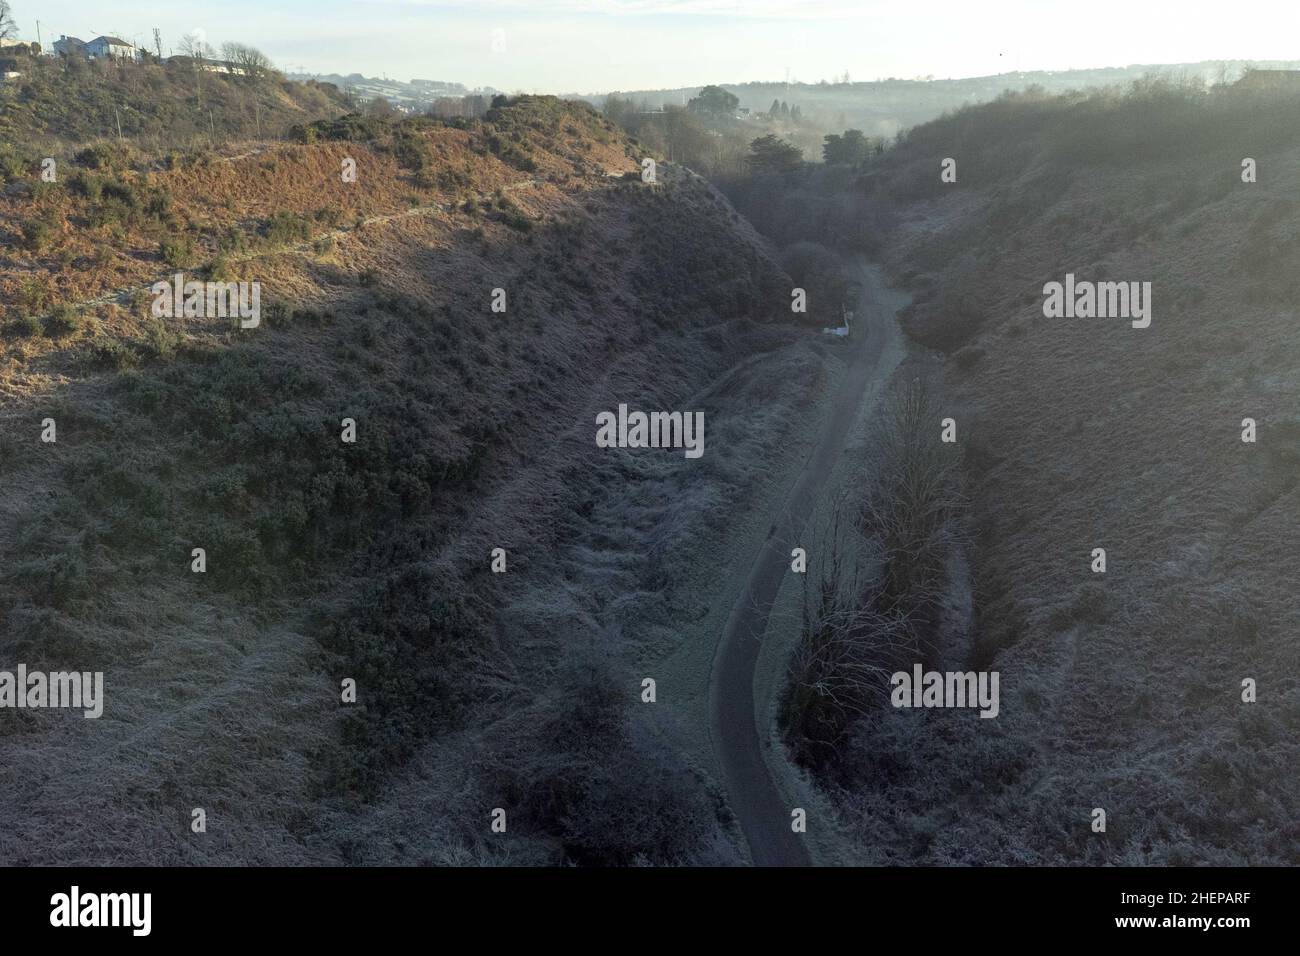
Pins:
x,y
14,54
843,330
208,66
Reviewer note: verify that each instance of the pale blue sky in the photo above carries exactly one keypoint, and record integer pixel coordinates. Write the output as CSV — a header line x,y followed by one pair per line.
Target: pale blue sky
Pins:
x,y
557,46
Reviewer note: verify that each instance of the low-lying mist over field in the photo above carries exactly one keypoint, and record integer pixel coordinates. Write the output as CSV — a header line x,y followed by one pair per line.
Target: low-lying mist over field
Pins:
x,y
891,472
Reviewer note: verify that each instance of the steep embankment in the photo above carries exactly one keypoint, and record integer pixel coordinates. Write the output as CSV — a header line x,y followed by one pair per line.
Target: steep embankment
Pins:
x,y
1120,690
370,560
59,102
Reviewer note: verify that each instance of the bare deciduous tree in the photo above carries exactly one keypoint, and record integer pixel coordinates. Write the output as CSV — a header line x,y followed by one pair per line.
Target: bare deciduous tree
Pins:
x,y
194,46
8,28
249,60
380,107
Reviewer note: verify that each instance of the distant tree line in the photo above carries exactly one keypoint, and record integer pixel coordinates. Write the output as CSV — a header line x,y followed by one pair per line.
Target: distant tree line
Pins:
x,y
782,110
708,136
851,148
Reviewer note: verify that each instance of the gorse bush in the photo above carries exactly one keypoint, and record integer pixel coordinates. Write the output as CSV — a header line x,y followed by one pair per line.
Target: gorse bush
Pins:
x,y
37,234
99,156
286,228
63,321
123,202
23,327
177,251
232,240
354,128
606,785
511,153
411,149
86,185
512,215
33,297
13,165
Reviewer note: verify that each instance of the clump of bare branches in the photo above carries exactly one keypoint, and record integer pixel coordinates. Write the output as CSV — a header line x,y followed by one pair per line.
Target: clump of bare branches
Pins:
x,y
882,585
249,61
911,510
845,650
8,28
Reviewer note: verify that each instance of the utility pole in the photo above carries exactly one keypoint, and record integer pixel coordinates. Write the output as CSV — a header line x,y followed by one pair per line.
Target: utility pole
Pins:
x,y
118,117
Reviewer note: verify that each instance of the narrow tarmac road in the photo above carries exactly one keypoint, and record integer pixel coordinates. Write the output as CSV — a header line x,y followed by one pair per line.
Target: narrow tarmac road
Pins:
x,y
741,747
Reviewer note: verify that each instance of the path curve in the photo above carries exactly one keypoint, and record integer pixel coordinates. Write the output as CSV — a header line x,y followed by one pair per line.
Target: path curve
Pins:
x,y
763,811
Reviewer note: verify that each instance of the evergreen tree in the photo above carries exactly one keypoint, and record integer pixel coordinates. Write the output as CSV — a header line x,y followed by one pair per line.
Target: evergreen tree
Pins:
x,y
771,154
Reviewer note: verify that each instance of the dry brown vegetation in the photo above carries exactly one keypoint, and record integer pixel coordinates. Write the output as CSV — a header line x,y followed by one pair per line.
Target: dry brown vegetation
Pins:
x,y
60,103
328,560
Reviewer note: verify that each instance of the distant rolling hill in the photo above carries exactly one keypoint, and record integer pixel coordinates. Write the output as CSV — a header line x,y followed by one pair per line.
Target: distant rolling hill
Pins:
x,y
883,107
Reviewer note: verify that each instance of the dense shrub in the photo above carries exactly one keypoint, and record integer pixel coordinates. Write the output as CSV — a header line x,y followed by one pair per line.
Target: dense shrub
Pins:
x,y
23,327
62,321
176,251
87,185
286,228
512,153
37,234
98,156
13,165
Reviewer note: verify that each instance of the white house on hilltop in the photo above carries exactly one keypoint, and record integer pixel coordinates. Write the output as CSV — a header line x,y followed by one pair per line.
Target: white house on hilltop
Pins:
x,y
110,47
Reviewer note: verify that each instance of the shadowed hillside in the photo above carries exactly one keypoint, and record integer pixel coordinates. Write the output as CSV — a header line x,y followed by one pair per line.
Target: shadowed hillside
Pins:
x,y
1121,690
371,560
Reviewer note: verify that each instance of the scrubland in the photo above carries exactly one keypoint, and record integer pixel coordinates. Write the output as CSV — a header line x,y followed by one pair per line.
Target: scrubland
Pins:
x,y
326,560
1120,690
371,561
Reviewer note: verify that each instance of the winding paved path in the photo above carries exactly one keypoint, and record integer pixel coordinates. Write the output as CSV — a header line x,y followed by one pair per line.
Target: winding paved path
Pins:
x,y
742,749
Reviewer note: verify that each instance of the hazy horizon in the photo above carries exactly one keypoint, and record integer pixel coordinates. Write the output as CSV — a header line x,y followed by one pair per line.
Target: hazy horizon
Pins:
x,y
618,452
581,46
